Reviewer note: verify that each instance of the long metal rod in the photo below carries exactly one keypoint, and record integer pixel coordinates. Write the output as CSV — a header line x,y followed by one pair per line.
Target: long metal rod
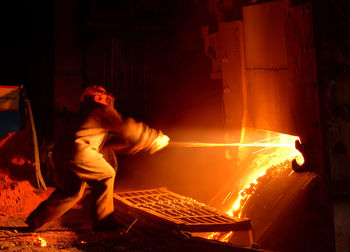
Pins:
x,y
199,144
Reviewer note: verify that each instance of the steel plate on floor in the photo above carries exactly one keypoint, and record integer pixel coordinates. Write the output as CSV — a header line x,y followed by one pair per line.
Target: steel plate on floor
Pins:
x,y
185,213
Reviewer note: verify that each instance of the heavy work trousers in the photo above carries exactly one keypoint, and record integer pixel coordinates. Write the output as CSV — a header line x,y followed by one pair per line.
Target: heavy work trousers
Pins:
x,y
72,180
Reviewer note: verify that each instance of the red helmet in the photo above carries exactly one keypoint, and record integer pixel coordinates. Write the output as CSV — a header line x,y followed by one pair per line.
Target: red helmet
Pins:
x,y
100,95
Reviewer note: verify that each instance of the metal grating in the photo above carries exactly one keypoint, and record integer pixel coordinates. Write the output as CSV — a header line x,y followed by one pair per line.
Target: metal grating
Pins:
x,y
186,213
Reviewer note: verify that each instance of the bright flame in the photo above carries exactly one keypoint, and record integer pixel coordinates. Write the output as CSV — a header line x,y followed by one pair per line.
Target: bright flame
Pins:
x,y
227,237
244,195
43,243
262,162
280,148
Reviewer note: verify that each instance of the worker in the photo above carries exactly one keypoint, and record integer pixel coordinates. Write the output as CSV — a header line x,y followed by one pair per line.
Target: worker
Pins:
x,y
79,162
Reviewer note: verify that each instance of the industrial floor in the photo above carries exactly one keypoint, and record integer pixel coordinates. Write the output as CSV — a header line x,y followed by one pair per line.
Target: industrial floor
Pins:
x,y
71,233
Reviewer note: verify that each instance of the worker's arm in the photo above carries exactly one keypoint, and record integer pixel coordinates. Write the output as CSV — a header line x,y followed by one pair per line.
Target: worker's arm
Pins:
x,y
131,136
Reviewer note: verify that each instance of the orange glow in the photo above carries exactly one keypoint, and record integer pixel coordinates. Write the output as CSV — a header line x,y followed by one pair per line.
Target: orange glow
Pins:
x,y
227,237
243,197
19,160
261,163
159,143
255,144
276,150
42,242
224,237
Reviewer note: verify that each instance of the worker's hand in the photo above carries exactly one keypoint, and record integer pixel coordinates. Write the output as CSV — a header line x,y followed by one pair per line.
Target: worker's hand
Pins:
x,y
159,143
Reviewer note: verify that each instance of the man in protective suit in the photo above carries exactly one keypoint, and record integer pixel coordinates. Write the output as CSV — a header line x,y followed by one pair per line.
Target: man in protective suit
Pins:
x,y
79,162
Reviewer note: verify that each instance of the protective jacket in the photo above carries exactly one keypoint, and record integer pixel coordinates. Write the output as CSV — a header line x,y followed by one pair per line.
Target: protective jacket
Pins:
x,y
78,161
95,126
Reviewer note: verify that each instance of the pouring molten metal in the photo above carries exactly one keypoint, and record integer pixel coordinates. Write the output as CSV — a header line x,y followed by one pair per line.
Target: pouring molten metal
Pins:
x,y
280,148
262,163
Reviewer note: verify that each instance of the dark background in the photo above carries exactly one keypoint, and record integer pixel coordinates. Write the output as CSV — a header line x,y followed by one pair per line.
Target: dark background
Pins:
x,y
150,55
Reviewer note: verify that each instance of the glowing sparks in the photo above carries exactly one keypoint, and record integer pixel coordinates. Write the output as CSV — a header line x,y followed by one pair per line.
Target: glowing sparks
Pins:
x,y
227,196
212,235
243,197
42,242
227,237
262,162
224,237
273,152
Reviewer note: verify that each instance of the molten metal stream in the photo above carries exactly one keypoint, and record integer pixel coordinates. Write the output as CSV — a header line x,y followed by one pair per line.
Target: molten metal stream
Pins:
x,y
260,161
198,144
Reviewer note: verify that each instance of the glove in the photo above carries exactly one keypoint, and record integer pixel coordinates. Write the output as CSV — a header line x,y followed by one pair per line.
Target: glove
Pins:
x,y
159,143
